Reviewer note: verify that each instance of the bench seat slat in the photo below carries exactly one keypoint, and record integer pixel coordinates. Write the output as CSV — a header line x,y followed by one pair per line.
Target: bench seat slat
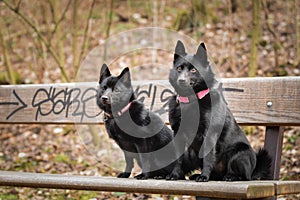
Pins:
x,y
245,190
287,187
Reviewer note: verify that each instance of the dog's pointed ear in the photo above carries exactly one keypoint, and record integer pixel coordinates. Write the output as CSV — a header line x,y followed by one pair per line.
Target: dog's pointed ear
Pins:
x,y
104,73
179,50
201,54
125,76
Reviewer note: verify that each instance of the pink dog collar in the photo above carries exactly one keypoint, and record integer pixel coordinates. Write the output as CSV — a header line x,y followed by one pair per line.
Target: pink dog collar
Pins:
x,y
120,113
124,109
200,95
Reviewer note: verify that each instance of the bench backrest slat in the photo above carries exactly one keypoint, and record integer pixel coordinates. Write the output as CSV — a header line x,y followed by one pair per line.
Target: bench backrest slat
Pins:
x,y
253,101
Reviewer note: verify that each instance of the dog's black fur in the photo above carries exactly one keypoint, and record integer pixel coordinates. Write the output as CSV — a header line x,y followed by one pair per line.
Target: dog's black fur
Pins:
x,y
146,138
229,155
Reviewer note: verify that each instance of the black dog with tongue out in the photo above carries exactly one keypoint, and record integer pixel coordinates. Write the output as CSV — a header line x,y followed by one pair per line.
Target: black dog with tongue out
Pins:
x,y
213,141
140,133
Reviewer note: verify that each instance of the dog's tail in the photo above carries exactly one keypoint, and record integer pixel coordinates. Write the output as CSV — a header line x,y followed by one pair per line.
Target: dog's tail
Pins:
x,y
262,170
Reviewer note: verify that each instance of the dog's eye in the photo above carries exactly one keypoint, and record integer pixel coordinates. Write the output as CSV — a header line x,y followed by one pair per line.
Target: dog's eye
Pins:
x,y
104,87
116,90
193,70
179,69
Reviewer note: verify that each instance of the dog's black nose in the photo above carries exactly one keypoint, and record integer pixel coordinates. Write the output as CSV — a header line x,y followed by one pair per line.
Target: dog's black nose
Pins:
x,y
104,98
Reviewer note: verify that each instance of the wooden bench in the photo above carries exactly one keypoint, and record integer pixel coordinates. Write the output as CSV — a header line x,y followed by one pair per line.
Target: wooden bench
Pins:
x,y
271,102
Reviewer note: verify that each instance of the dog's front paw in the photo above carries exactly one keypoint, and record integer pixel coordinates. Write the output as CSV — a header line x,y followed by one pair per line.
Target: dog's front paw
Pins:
x,y
193,177
202,178
124,175
142,176
139,176
199,178
231,177
159,177
174,177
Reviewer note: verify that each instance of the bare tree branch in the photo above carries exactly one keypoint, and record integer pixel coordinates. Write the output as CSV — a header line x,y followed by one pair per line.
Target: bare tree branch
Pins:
x,y
109,22
86,35
60,49
57,22
39,34
75,34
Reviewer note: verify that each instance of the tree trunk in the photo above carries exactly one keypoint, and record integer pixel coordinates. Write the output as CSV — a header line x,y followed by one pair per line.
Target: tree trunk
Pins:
x,y
75,34
6,56
297,59
255,37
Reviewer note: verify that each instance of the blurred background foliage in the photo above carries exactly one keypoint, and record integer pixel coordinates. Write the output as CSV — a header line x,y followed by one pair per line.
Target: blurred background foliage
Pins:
x,y
45,41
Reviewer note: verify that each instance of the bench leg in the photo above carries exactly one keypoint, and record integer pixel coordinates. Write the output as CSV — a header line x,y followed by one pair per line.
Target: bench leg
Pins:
x,y
273,144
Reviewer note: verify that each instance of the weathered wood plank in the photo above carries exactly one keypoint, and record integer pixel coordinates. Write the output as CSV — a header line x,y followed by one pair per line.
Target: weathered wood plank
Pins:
x,y
251,106
75,102
287,187
231,190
